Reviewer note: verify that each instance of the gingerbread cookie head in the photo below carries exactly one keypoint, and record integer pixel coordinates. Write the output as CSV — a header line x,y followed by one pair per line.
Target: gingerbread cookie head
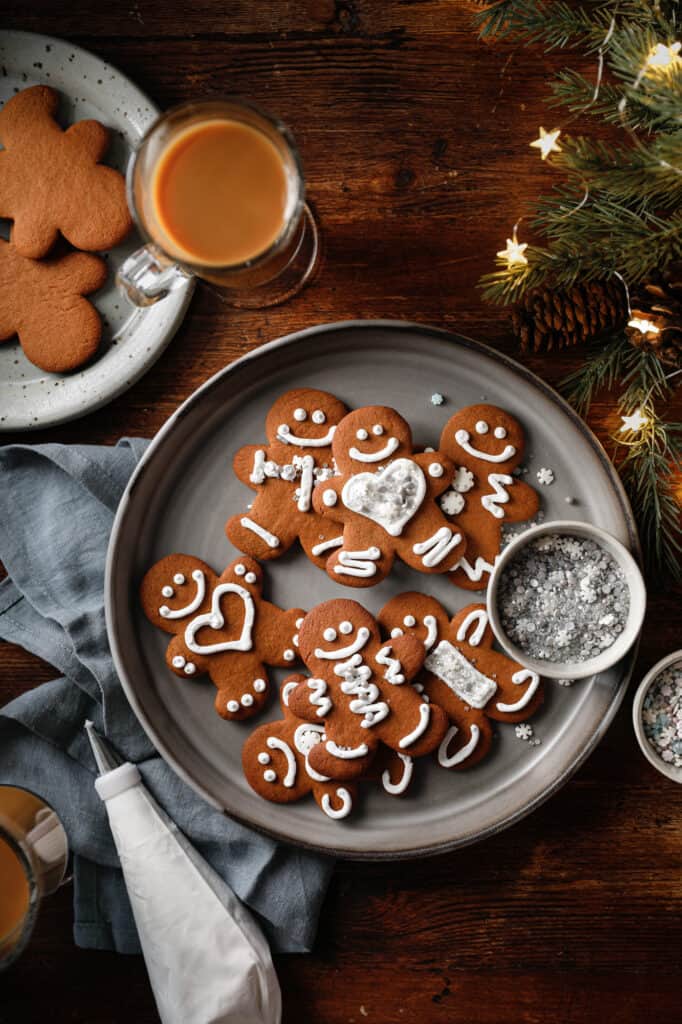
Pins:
x,y
303,422
221,627
360,690
51,180
417,615
483,437
371,437
275,758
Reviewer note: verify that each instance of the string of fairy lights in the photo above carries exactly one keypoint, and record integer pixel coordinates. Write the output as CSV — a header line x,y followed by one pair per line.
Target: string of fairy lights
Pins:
x,y
661,59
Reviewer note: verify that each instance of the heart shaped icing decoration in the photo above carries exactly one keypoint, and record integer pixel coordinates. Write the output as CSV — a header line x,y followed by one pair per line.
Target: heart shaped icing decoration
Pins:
x,y
389,497
216,620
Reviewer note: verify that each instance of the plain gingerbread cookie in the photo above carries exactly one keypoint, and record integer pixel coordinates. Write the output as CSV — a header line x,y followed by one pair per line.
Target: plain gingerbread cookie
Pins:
x,y
42,302
51,180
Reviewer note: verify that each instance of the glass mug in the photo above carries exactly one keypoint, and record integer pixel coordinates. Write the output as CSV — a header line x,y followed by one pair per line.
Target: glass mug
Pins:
x,y
255,279
33,856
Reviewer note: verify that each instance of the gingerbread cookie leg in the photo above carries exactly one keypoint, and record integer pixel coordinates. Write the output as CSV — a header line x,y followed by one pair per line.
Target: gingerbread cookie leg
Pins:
x,y
253,532
360,562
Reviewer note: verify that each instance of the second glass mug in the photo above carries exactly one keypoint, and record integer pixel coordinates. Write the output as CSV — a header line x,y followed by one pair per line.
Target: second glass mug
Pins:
x,y
271,276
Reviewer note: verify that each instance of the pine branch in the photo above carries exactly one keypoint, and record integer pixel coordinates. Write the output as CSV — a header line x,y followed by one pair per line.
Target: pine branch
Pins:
x,y
628,173
605,364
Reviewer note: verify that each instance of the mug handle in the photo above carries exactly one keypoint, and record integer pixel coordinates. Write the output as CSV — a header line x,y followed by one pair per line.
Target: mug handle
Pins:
x,y
147,276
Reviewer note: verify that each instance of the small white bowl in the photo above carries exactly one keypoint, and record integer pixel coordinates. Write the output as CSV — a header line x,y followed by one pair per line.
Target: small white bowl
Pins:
x,y
665,769
633,576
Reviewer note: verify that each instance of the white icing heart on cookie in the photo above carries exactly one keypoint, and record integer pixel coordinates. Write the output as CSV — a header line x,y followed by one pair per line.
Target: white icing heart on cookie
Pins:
x,y
215,620
389,497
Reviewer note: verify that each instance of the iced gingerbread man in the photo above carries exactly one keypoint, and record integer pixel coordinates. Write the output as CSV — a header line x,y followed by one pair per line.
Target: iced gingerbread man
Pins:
x,y
300,427
359,692
276,764
486,444
463,674
384,500
221,627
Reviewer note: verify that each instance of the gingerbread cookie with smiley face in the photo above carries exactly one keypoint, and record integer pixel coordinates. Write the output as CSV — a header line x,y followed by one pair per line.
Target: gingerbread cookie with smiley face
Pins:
x,y
463,674
384,501
359,691
222,627
486,444
300,427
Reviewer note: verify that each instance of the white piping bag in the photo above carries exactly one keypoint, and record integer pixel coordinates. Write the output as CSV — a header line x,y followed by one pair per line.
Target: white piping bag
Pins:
x,y
207,959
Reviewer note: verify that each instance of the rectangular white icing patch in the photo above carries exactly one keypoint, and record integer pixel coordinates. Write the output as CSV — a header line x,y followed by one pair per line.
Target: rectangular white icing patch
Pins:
x,y
452,668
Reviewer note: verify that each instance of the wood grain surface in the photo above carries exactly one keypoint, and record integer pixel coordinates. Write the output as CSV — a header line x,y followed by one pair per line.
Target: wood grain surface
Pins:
x,y
415,141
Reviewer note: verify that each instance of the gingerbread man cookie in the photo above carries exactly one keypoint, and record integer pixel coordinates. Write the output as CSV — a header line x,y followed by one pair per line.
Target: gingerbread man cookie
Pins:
x,y
463,674
275,758
359,691
42,303
384,499
486,445
51,181
221,627
299,427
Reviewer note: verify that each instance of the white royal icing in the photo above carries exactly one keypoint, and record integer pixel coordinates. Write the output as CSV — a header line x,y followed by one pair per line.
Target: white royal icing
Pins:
x,y
264,758
247,700
180,613
347,753
435,469
285,435
437,547
431,623
329,634
275,743
318,416
306,488
300,415
395,788
289,655
167,591
389,497
260,531
318,697
179,579
232,705
239,569
215,620
257,475
329,498
463,439
259,685
482,427
518,678
356,682
327,545
346,803
463,753
491,502
178,661
344,652
394,672
475,571
397,631
269,775
306,736
452,668
424,719
190,668
409,621
345,627
500,433
286,691
478,616
384,453
358,563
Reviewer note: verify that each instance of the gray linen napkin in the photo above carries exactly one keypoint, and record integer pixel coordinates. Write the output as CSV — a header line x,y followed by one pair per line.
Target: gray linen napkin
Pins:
x,y
57,506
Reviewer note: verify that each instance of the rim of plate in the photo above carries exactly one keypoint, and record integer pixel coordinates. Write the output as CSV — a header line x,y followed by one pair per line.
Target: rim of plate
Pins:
x,y
346,852
78,400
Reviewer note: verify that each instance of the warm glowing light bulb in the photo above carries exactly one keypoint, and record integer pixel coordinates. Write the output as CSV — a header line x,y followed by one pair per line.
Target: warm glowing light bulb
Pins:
x,y
644,326
663,56
514,252
635,421
547,142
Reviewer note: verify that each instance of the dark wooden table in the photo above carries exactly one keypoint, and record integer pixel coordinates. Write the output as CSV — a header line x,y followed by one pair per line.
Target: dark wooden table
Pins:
x,y
415,141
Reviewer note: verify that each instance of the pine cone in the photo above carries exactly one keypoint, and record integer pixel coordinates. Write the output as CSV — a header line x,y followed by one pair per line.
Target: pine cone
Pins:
x,y
656,322
546,319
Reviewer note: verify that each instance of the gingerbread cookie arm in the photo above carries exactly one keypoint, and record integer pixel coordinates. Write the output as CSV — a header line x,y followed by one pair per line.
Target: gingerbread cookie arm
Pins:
x,y
471,626
520,691
523,503
415,727
438,470
335,799
30,110
319,537
400,659
309,699
364,558
469,735
248,464
327,500
242,684
91,137
275,631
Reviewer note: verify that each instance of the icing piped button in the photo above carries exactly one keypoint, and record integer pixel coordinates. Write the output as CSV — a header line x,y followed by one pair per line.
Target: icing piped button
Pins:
x,y
435,469
329,498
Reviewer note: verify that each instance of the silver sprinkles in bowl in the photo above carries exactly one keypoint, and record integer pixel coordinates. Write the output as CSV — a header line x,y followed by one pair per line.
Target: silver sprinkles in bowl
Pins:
x,y
566,599
657,716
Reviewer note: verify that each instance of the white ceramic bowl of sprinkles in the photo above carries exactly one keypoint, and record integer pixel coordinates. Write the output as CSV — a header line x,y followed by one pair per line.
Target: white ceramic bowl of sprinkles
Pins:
x,y
657,715
556,600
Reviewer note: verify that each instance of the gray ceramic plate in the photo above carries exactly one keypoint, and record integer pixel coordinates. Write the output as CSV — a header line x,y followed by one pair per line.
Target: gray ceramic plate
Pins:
x,y
183,492
132,339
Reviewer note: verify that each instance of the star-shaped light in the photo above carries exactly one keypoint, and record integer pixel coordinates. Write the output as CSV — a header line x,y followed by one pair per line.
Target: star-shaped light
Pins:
x,y
514,253
663,56
644,326
635,421
547,142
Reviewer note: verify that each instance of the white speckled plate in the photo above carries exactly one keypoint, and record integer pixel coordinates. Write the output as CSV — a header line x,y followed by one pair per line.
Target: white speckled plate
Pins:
x,y
132,339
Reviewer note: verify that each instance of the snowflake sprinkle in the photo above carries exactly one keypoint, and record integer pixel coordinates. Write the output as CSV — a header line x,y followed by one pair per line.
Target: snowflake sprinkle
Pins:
x,y
452,503
437,398
545,476
524,731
